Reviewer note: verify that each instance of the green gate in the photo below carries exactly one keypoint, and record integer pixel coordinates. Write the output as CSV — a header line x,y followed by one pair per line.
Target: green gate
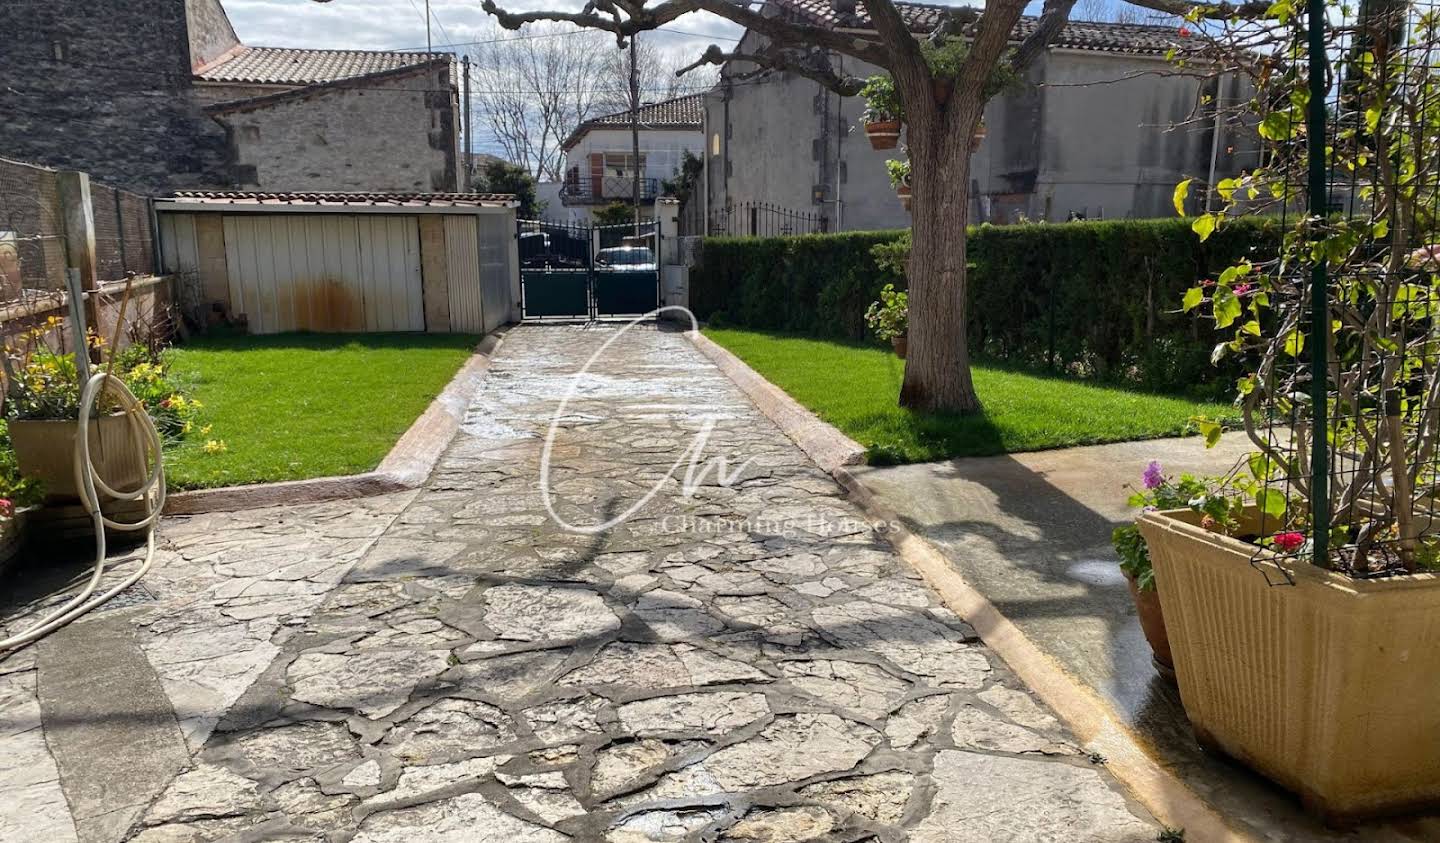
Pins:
x,y
588,272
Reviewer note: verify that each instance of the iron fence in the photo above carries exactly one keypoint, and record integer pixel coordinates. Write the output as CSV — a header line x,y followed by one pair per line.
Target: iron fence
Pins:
x,y
762,219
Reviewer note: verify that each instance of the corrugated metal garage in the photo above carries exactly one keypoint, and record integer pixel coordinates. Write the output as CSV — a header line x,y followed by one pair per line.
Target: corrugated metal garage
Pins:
x,y
347,261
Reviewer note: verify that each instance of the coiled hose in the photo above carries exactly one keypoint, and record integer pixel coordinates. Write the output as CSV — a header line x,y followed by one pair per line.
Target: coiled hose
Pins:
x,y
91,485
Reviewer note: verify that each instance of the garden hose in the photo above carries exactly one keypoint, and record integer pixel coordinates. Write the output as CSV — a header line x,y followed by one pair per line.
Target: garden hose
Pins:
x,y
91,485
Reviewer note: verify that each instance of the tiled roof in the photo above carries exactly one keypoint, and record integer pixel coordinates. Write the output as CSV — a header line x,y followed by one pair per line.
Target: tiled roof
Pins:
x,y
687,112
286,66
1136,39
355,199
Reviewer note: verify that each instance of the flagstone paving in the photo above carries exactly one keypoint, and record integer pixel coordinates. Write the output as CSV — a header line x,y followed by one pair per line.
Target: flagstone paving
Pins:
x,y
746,660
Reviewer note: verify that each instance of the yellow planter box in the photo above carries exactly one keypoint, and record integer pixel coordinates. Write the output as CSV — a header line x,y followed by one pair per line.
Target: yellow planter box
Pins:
x,y
1330,686
45,449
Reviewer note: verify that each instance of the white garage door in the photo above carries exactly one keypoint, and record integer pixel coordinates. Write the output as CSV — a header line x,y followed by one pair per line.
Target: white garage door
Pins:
x,y
325,272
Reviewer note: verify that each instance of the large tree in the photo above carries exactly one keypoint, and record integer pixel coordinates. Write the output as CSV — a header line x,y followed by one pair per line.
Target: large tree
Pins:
x,y
940,120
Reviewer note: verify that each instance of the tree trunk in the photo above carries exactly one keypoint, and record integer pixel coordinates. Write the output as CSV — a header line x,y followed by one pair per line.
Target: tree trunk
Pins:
x,y
937,369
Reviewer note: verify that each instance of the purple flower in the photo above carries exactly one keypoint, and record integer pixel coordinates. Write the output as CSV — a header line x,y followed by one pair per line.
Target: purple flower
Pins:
x,y
1153,476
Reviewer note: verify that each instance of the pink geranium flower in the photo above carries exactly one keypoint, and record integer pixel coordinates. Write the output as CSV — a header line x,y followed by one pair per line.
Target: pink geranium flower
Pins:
x,y
1289,542
1153,475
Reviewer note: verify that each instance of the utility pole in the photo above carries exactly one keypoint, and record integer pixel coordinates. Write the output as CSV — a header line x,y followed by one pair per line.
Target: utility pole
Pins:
x,y
469,146
429,48
635,127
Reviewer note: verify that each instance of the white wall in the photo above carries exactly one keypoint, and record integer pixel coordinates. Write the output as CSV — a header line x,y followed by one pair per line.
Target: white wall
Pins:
x,y
663,148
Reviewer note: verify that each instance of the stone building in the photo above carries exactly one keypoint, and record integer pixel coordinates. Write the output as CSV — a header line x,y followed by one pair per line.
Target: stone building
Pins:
x,y
168,98
1102,126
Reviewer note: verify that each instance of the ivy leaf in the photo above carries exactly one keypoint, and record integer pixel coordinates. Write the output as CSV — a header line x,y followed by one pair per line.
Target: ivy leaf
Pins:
x,y
1227,307
1252,328
1193,297
1205,226
1271,502
1182,190
1260,466
1294,343
1277,126
1211,430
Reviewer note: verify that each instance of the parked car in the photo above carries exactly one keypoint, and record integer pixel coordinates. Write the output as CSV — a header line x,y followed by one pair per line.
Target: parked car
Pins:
x,y
625,259
550,260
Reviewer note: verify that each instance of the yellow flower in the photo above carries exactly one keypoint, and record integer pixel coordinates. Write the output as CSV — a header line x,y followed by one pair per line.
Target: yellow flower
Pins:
x,y
205,431
214,446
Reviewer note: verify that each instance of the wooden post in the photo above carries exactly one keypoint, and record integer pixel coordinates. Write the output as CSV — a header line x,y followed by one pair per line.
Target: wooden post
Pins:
x,y
78,212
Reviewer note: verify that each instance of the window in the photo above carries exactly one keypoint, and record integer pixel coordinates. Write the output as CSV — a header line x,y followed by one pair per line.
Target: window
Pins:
x,y
622,164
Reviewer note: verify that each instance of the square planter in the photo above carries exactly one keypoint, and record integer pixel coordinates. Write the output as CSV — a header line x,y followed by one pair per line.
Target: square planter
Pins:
x,y
1330,686
45,448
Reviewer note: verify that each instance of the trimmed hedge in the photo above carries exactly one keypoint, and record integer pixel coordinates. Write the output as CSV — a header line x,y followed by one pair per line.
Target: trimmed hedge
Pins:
x,y
1102,296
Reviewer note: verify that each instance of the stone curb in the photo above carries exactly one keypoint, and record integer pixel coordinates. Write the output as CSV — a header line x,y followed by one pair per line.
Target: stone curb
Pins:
x,y
822,443
1093,720
407,466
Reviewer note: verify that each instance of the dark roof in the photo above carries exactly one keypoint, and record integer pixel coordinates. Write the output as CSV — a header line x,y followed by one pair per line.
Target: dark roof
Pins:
x,y
360,198
687,112
1135,39
286,66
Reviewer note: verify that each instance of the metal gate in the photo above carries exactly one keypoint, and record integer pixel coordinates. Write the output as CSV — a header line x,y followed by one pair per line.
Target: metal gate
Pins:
x,y
572,271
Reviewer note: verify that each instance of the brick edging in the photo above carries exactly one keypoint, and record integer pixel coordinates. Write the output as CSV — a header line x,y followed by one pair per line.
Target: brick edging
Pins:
x,y
407,466
1093,720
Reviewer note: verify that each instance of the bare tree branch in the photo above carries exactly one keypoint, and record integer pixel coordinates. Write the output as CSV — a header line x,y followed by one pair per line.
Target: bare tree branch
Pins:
x,y
814,66
1052,19
1249,9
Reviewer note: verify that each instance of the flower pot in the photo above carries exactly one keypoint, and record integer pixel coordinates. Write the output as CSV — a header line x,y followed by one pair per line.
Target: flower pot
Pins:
x,y
1327,685
1152,623
903,191
883,134
979,137
12,538
45,449
901,344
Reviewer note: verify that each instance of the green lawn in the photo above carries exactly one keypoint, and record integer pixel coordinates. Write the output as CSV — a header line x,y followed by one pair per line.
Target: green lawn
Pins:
x,y
294,406
855,388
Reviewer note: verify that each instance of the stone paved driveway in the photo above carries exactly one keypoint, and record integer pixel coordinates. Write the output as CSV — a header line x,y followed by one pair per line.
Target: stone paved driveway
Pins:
x,y
745,662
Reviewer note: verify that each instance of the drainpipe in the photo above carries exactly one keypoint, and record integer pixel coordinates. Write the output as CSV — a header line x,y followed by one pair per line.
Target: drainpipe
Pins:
x,y
1214,144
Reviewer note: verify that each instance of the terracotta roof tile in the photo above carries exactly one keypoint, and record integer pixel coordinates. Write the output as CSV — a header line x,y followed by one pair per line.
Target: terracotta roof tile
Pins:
x,y
1135,39
363,198
286,66
687,112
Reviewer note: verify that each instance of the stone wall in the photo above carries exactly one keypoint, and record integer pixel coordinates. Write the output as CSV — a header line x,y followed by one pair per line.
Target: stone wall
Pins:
x,y
211,35
357,136
103,86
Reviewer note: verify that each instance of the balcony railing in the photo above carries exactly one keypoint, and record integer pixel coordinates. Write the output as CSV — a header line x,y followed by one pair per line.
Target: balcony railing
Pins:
x,y
598,190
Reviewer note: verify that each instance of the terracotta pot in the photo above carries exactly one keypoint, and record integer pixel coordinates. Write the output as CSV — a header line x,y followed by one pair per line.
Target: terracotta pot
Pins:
x,y
1324,683
903,191
883,134
979,137
45,449
1152,623
901,344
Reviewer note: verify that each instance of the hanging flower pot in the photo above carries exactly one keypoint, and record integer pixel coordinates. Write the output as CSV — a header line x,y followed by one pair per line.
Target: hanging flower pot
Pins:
x,y
901,344
903,191
979,136
883,134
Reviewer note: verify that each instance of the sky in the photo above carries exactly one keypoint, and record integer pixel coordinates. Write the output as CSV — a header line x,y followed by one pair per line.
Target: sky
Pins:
x,y
400,25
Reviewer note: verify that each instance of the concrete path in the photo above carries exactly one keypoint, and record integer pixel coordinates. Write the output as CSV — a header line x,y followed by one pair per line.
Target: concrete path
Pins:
x,y
1031,532
741,660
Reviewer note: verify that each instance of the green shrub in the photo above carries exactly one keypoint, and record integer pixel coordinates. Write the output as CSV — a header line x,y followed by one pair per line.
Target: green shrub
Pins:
x,y
1098,299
